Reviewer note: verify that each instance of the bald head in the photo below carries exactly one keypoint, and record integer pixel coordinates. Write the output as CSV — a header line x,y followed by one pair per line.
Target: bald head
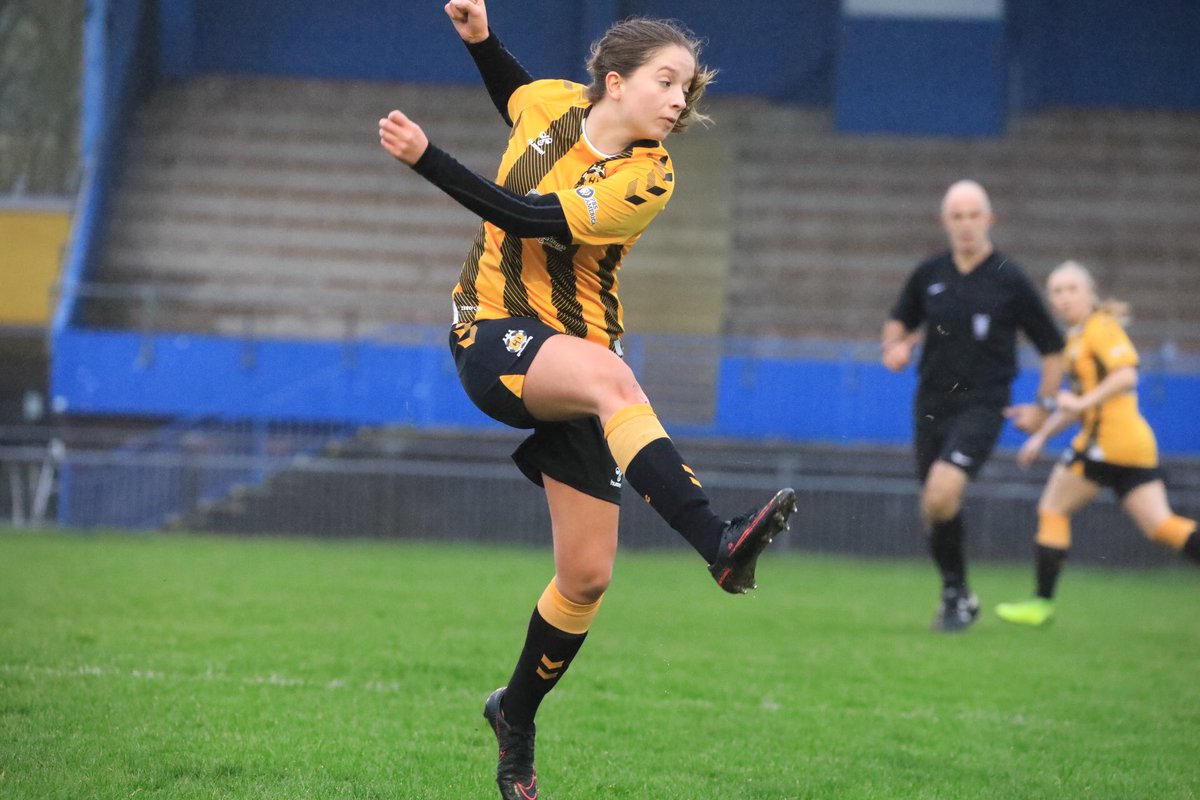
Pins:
x,y
967,218
966,192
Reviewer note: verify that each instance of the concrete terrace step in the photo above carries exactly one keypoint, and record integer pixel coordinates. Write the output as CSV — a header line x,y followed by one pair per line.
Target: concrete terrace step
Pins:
x,y
244,208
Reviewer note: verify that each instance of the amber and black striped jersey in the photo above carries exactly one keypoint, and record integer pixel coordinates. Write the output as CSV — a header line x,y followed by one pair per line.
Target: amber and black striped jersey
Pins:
x,y
1114,431
568,282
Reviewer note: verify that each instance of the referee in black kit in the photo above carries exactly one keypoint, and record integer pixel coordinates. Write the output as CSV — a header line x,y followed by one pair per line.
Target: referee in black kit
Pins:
x,y
971,300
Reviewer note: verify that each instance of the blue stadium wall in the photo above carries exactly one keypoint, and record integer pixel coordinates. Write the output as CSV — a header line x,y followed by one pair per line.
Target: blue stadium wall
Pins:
x,y
1072,52
837,400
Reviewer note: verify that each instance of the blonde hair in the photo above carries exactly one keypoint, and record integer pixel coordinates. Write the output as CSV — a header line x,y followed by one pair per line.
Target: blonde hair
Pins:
x,y
628,44
1119,309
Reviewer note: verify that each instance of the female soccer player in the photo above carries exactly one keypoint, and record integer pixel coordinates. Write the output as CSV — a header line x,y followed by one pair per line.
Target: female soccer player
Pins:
x,y
1114,448
536,332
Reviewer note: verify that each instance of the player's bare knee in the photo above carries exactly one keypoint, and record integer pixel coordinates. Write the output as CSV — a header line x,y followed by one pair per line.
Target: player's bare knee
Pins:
x,y
620,389
585,582
585,586
939,505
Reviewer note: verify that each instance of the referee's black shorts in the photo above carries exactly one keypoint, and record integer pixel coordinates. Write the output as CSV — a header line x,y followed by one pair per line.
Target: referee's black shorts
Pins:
x,y
959,432
492,357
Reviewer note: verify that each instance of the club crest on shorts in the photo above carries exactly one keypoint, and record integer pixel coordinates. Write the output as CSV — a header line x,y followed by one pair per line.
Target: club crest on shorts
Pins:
x,y
517,341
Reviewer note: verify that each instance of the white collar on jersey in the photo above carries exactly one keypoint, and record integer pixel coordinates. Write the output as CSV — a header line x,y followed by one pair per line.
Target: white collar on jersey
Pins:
x,y
588,142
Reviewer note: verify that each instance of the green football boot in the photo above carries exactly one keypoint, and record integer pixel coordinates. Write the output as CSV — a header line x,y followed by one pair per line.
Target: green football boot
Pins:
x,y
1035,612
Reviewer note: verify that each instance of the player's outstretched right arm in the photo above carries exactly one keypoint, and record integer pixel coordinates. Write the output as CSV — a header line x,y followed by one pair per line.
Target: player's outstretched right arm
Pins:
x,y
502,74
525,216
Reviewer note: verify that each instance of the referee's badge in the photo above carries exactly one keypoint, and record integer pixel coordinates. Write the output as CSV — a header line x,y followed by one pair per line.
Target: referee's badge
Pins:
x,y
517,341
981,323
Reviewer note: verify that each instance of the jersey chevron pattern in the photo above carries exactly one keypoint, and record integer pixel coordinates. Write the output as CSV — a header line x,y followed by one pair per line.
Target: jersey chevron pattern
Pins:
x,y
1115,431
608,201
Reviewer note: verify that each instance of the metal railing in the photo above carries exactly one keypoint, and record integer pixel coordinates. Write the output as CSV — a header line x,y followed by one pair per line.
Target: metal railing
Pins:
x,y
366,490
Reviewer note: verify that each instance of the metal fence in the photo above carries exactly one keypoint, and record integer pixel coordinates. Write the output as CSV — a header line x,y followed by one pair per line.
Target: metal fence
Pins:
x,y
460,487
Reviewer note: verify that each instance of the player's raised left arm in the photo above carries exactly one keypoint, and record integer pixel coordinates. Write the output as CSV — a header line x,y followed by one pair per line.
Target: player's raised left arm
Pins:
x,y
501,72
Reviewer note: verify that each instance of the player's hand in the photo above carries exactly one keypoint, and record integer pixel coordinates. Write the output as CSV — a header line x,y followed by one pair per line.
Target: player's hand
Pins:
x,y
1070,402
1030,450
402,137
1028,417
469,18
896,355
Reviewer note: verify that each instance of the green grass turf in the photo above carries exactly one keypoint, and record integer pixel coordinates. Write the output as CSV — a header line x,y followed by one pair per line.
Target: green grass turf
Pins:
x,y
204,667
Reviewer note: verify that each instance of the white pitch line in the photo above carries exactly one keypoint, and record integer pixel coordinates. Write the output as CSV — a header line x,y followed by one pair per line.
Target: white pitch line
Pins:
x,y
208,676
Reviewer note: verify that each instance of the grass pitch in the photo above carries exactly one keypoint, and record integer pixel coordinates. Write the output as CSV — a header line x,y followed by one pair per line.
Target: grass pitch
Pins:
x,y
204,667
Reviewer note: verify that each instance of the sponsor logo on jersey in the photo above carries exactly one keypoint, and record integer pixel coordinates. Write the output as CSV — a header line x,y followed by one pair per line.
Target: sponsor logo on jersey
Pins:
x,y
589,199
981,324
540,143
516,341
935,289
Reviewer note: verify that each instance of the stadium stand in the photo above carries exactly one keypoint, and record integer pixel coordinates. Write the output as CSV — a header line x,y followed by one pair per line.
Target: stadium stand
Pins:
x,y
829,225
264,204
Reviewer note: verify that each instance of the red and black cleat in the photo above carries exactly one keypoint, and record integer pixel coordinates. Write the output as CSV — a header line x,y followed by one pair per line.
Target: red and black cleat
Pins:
x,y
744,539
515,774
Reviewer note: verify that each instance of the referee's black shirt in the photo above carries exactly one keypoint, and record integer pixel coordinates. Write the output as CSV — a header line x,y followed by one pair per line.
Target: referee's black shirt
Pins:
x,y
971,324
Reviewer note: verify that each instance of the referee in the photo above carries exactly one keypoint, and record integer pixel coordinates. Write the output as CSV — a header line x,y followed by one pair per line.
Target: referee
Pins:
x,y
971,300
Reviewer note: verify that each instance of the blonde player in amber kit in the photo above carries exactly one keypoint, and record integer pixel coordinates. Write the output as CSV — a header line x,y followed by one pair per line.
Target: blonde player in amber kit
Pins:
x,y
537,326
1114,448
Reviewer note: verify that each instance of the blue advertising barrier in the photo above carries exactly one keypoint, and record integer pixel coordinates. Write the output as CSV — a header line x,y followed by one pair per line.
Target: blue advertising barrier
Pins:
x,y
838,400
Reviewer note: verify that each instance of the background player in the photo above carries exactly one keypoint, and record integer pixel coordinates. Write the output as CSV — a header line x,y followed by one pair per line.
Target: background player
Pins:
x,y
537,326
971,301
1114,448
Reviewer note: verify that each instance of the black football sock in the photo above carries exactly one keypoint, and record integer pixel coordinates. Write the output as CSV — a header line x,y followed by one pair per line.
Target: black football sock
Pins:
x,y
654,468
1049,564
548,651
946,545
1191,548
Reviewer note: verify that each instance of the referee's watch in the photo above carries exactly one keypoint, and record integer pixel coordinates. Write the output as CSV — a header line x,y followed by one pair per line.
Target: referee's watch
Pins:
x,y
1049,404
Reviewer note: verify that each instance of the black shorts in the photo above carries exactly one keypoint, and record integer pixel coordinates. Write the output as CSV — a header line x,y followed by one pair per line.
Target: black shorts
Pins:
x,y
963,436
1122,480
492,357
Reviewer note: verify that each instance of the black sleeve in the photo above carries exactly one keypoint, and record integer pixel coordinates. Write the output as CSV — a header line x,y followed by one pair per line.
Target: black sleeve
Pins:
x,y
527,216
502,73
1034,319
908,310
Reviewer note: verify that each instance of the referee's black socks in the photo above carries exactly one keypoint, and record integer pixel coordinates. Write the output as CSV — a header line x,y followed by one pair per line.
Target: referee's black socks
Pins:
x,y
946,545
648,459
